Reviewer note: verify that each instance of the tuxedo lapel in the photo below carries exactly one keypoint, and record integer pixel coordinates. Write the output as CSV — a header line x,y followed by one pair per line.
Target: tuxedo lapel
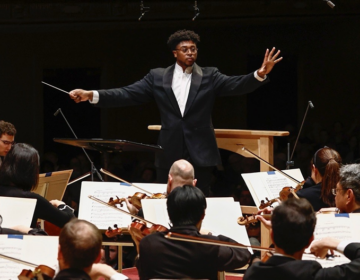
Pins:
x,y
196,79
167,80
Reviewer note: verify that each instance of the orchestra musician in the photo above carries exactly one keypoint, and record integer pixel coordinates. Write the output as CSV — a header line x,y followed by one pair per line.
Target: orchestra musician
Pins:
x,y
185,95
325,167
19,175
170,259
79,250
181,173
347,191
7,138
293,223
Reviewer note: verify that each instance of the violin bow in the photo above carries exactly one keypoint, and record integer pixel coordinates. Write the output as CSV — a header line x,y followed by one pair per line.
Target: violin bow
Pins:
x,y
270,165
17,260
122,180
118,209
194,239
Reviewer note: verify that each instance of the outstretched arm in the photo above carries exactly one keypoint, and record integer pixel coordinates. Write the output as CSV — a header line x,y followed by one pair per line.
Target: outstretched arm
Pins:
x,y
270,59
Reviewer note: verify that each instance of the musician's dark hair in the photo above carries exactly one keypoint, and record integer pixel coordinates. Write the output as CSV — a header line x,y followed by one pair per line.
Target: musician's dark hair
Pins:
x,y
293,223
80,243
7,128
328,162
20,167
350,179
186,205
182,35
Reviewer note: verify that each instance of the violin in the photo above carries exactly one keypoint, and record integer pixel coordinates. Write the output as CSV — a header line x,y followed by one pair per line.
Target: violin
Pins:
x,y
135,199
40,272
243,221
139,230
113,233
268,202
287,192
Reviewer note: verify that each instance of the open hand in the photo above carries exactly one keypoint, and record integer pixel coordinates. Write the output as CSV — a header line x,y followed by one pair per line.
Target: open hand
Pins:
x,y
270,59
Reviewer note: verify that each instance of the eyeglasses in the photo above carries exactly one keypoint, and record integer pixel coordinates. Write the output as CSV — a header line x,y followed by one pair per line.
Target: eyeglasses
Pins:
x,y
335,191
185,50
8,142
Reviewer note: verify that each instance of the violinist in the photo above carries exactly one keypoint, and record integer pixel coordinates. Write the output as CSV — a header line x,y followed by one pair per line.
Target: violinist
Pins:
x,y
347,191
19,175
7,137
79,250
293,223
170,259
325,167
181,173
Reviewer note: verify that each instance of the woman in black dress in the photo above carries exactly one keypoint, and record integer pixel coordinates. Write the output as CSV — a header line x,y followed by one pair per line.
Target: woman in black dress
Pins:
x,y
19,175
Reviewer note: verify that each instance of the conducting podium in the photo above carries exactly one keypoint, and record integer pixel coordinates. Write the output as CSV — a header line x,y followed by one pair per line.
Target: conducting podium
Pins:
x,y
260,142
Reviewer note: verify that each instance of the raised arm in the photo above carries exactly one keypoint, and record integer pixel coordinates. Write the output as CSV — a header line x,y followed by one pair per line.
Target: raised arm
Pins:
x,y
270,59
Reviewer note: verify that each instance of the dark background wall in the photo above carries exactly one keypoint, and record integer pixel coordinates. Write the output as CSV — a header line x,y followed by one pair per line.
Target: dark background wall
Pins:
x,y
101,44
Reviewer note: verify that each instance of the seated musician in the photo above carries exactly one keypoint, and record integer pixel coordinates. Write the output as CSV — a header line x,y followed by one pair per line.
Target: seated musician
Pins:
x,y
181,173
79,249
170,259
293,224
19,175
325,167
347,191
7,137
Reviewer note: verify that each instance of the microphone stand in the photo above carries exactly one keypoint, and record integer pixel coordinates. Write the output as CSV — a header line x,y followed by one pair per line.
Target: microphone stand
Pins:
x,y
93,168
289,159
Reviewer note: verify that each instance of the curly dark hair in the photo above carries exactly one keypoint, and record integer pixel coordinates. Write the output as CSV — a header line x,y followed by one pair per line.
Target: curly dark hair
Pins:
x,y
182,35
7,128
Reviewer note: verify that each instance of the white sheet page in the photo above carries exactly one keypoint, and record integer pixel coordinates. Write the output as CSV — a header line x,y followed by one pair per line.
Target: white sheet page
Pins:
x,y
11,246
268,184
103,216
16,211
342,227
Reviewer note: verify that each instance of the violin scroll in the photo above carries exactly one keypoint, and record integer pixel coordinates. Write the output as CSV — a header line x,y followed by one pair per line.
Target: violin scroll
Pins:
x,y
118,200
243,221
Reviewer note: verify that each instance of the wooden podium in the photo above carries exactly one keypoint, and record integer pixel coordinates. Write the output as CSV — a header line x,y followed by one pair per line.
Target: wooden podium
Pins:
x,y
260,142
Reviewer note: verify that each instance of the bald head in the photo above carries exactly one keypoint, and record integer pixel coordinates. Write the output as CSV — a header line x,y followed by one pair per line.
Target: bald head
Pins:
x,y
181,173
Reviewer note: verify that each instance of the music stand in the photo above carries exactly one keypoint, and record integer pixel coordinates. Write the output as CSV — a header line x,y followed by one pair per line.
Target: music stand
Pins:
x,y
108,146
52,185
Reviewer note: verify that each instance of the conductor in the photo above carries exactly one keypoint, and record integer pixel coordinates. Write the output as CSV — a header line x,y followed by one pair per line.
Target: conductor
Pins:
x,y
185,95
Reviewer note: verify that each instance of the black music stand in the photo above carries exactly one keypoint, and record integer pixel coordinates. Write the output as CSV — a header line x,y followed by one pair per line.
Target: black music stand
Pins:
x,y
108,146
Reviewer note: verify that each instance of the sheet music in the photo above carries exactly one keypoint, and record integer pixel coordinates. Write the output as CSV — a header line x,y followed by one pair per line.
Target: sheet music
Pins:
x,y
343,227
103,216
220,217
16,211
23,248
268,184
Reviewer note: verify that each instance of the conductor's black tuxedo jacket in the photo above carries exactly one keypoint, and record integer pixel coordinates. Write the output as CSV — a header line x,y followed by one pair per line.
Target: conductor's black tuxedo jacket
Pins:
x,y
195,128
